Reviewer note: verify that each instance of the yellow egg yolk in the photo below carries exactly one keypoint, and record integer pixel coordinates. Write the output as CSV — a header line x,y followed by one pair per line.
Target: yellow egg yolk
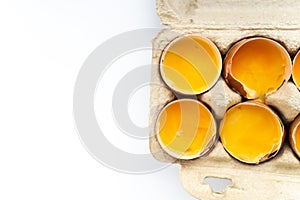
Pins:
x,y
250,132
185,128
296,70
191,65
260,66
297,140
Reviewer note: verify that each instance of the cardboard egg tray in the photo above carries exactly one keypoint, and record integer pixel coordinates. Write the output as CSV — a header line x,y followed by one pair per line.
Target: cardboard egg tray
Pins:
x,y
225,22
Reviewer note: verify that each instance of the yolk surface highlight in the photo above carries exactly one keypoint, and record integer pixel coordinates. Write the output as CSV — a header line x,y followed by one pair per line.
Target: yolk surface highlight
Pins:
x,y
249,132
185,128
296,70
191,65
261,66
297,139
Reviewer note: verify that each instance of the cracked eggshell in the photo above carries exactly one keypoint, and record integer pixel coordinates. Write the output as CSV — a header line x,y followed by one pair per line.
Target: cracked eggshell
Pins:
x,y
273,152
296,70
240,87
226,22
208,142
182,47
292,135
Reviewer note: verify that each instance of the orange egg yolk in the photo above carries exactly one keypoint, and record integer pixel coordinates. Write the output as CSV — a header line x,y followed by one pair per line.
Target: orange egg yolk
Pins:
x,y
297,140
260,66
186,128
191,65
296,70
250,132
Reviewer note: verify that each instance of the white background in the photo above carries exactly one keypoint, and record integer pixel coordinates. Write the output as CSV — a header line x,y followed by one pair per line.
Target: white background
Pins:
x,y
43,44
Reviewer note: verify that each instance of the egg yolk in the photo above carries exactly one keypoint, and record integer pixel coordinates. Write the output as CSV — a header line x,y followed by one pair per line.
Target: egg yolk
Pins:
x,y
296,70
191,65
186,128
250,132
297,139
261,66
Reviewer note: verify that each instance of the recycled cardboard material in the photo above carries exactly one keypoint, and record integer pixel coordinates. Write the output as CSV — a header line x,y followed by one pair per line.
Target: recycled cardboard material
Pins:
x,y
225,22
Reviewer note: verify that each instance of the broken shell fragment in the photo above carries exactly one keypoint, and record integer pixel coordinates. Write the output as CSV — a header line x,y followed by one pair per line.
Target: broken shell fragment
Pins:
x,y
251,132
186,129
294,136
256,67
190,64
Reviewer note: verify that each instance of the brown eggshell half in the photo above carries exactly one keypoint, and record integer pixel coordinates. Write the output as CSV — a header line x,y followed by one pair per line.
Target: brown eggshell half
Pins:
x,y
275,151
237,85
293,129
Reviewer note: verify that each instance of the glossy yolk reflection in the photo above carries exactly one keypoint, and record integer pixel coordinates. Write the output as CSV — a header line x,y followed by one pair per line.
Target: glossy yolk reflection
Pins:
x,y
260,66
185,128
191,65
250,132
296,70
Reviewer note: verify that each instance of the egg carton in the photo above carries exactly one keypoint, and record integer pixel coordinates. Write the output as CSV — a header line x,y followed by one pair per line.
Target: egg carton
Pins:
x,y
226,22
